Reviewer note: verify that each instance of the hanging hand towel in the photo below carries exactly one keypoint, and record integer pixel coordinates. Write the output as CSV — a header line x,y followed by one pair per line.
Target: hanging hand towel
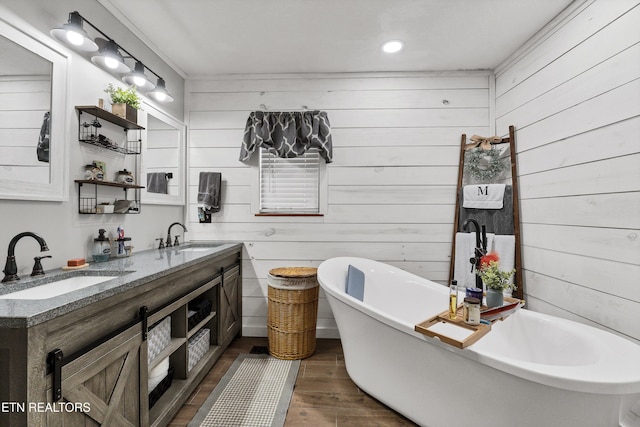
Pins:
x,y
483,196
209,188
157,182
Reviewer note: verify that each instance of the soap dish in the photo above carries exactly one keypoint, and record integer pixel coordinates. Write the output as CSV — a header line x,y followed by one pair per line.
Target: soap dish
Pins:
x,y
75,267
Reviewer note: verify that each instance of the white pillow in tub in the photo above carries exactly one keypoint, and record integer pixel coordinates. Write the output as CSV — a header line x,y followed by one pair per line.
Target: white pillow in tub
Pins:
x,y
355,283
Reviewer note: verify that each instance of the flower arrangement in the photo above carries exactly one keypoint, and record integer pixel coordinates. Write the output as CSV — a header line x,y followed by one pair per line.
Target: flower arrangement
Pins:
x,y
492,276
124,96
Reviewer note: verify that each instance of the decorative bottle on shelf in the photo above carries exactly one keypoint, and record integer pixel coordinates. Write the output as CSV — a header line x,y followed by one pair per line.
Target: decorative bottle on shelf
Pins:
x,y
453,299
124,177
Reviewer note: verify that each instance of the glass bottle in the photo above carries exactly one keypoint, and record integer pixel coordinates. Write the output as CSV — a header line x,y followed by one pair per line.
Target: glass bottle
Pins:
x,y
453,299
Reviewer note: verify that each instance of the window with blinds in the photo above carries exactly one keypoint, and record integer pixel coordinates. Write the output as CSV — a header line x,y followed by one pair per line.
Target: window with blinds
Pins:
x,y
289,185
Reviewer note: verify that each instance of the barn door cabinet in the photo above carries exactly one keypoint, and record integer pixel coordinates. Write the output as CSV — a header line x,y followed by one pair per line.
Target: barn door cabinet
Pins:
x,y
103,349
230,304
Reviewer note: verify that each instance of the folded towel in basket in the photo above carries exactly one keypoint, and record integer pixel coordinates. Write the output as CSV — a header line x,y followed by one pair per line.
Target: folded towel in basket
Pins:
x,y
209,189
483,196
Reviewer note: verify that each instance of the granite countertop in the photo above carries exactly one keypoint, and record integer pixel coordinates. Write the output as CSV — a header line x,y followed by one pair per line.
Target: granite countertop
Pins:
x,y
129,272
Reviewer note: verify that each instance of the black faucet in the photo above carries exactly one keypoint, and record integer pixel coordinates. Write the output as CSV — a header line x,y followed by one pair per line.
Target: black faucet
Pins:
x,y
176,243
37,266
481,246
11,268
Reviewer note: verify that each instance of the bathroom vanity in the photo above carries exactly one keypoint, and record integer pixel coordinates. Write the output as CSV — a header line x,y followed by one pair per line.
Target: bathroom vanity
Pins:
x,y
81,357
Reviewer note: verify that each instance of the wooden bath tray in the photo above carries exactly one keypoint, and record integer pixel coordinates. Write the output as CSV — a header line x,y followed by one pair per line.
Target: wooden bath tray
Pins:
x,y
452,331
457,333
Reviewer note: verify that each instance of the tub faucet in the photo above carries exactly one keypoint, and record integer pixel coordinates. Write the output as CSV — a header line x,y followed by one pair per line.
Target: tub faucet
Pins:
x,y
11,268
481,246
176,243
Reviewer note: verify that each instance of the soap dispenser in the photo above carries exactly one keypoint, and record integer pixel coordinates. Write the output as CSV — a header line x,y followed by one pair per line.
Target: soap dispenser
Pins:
x,y
101,247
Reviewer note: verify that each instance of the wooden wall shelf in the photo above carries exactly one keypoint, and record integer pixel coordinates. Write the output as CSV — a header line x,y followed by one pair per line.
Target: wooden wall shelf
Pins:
x,y
106,115
106,183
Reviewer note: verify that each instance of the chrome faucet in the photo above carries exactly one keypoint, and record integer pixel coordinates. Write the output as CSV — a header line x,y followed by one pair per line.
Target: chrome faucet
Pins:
x,y
177,242
481,246
11,268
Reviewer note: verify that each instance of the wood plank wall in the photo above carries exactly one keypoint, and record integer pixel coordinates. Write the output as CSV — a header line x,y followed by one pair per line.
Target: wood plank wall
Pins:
x,y
390,189
573,95
23,102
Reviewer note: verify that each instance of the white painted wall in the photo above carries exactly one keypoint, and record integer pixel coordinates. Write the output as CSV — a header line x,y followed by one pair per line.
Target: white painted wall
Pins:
x,y
573,95
69,234
391,187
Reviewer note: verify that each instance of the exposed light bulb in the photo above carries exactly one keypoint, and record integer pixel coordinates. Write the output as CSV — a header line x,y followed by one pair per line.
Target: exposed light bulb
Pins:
x,y
160,96
393,46
111,62
139,81
75,38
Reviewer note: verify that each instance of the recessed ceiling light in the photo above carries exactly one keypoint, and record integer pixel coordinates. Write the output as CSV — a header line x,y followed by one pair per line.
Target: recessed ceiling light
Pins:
x,y
393,46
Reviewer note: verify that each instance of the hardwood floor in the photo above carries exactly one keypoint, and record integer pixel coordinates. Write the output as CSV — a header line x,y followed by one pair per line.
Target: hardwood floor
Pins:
x,y
324,395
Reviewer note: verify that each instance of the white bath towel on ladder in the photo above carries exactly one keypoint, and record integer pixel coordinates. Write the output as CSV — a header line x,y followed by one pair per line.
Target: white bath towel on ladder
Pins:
x,y
505,247
483,196
465,250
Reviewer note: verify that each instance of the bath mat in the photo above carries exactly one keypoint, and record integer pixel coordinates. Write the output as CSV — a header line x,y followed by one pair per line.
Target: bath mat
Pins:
x,y
255,391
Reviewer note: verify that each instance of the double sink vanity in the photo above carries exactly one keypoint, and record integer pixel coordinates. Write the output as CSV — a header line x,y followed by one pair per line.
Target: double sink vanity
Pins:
x,y
74,345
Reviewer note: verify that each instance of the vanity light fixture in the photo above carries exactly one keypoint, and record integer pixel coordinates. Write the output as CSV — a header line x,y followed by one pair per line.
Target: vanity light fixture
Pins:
x,y
160,92
138,78
72,34
393,46
108,56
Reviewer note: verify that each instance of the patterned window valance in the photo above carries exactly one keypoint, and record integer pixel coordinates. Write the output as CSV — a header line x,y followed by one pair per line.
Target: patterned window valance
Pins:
x,y
287,134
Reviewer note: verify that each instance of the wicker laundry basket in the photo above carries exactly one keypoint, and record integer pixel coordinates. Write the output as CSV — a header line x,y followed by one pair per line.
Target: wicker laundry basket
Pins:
x,y
292,312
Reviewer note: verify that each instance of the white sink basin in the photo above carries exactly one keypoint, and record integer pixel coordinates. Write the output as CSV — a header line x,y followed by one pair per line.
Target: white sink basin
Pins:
x,y
59,287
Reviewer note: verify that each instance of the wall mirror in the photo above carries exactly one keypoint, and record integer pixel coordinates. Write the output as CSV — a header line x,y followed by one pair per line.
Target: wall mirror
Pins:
x,y
33,116
163,158
487,195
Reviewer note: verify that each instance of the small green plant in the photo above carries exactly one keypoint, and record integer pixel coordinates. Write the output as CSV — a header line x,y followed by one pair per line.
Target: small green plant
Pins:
x,y
492,276
124,96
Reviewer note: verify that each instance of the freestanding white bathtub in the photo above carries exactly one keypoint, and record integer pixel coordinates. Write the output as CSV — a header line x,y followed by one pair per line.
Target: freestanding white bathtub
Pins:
x,y
531,369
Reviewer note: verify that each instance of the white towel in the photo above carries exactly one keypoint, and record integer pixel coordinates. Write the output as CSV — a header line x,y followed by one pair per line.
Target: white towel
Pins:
x,y
462,268
505,247
483,196
465,250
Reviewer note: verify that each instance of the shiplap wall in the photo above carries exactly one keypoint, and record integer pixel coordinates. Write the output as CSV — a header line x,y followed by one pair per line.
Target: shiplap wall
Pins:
x,y
390,189
574,98
23,102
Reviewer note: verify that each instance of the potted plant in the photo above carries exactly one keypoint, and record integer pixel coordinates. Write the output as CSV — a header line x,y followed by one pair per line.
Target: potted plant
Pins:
x,y
124,102
495,280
